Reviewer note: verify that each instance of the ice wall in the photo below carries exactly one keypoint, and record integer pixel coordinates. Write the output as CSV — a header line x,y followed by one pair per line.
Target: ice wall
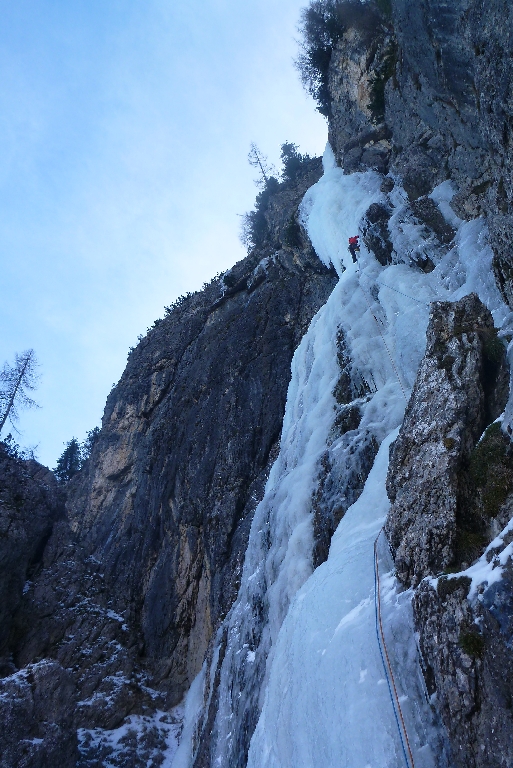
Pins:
x,y
313,669
326,701
279,555
337,711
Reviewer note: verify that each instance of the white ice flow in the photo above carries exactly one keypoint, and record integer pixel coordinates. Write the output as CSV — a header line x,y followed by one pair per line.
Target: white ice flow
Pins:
x,y
302,647
327,702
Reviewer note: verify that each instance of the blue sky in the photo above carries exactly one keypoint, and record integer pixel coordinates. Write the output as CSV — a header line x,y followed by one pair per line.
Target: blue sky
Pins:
x,y
125,128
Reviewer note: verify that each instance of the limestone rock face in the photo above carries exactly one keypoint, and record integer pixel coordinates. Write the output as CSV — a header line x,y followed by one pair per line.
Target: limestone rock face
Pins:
x,y
67,615
108,609
188,436
423,89
34,704
451,403
468,663
446,71
37,721
452,495
359,68
71,661
127,584
30,503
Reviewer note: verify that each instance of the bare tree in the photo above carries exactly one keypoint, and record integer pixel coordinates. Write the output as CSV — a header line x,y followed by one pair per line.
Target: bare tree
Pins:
x,y
15,383
258,160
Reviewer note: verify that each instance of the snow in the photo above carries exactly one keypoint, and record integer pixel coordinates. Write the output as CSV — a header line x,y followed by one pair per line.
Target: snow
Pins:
x,y
153,739
113,615
488,570
301,647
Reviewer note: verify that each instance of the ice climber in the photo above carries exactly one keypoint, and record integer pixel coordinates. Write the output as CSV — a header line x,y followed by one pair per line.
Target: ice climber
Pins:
x,y
354,247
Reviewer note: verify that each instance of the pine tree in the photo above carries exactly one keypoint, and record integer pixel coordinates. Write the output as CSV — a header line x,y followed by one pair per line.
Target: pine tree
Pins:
x,y
254,227
15,382
292,161
258,160
70,462
321,27
87,445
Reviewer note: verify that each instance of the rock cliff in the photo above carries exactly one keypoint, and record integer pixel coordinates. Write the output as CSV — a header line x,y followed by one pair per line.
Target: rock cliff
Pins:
x,y
36,723
110,603
461,388
30,504
421,91
133,582
450,497
186,444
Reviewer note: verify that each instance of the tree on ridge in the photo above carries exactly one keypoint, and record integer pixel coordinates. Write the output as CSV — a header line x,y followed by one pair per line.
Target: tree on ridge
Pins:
x,y
258,160
70,462
15,383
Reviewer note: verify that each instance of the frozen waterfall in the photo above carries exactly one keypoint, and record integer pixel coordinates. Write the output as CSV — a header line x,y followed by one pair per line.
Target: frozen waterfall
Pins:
x,y
296,662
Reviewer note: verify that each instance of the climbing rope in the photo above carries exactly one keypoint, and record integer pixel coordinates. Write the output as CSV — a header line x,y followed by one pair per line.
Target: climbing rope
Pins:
x,y
401,727
380,635
425,303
